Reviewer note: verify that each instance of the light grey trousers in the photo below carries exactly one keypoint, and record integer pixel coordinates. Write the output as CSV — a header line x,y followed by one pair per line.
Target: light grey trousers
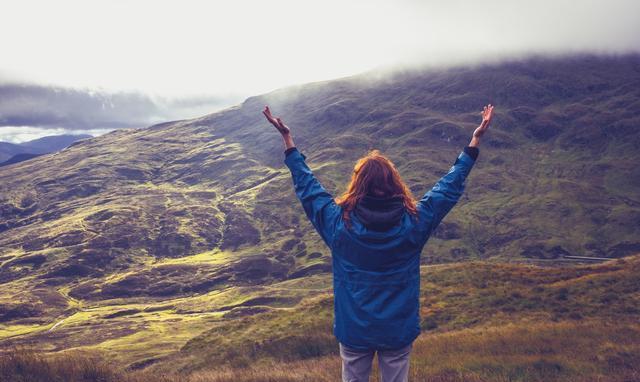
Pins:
x,y
392,364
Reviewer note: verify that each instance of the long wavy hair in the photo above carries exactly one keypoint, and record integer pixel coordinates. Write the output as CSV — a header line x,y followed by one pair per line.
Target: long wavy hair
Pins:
x,y
375,175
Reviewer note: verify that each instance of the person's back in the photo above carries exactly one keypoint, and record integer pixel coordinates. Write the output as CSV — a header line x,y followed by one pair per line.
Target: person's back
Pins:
x,y
376,232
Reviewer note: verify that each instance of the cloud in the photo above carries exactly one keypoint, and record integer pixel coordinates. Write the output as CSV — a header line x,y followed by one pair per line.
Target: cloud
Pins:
x,y
251,47
30,111
33,105
18,134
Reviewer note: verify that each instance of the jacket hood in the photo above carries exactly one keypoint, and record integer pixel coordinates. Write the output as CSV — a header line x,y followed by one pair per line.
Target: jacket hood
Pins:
x,y
380,213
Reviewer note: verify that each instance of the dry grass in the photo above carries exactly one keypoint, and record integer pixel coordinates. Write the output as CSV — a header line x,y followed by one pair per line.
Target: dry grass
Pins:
x,y
559,351
488,322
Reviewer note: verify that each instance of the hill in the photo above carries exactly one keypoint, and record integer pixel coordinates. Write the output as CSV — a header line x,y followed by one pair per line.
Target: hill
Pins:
x,y
43,145
18,158
120,239
52,143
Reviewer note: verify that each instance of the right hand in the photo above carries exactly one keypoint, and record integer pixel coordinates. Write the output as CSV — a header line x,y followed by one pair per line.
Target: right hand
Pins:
x,y
487,114
276,122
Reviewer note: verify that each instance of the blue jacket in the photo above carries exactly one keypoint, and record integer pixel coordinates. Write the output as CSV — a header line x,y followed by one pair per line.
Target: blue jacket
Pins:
x,y
376,274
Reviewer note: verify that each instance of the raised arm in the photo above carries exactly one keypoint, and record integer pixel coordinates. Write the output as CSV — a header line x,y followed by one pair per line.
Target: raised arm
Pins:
x,y
438,201
318,204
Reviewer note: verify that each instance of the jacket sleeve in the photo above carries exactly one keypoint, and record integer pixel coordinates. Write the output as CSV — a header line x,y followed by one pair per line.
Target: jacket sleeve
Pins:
x,y
318,204
438,201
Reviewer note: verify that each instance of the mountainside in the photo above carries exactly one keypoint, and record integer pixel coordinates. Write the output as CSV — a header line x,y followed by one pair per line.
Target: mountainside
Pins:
x,y
183,224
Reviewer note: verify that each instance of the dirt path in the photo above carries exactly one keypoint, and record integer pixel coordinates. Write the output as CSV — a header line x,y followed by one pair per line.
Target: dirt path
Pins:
x,y
56,324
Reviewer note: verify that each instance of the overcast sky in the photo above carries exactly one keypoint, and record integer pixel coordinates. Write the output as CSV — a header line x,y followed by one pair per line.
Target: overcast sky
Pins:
x,y
212,54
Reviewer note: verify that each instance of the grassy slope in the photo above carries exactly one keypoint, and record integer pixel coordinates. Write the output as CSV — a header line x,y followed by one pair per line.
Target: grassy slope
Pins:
x,y
482,322
454,297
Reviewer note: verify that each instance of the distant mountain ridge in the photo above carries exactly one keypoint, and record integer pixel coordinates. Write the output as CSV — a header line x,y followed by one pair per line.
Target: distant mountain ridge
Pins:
x,y
41,145
54,142
18,158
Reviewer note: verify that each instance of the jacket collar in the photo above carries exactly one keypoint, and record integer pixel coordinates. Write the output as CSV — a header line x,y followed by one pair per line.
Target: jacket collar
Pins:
x,y
380,214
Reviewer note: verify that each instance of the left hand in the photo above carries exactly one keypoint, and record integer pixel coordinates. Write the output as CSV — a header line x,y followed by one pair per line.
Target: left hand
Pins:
x,y
277,122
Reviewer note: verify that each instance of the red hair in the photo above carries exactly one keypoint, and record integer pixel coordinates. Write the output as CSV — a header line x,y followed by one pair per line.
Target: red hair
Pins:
x,y
375,175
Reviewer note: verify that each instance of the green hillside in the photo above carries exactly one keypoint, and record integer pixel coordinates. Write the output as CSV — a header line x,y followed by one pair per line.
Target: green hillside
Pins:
x,y
149,242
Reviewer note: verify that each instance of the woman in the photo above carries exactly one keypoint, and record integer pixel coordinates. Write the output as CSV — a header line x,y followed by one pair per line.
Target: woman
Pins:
x,y
376,232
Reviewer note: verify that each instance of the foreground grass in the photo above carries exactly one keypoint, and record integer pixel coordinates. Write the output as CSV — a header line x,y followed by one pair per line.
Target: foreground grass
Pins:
x,y
481,322
455,297
558,351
